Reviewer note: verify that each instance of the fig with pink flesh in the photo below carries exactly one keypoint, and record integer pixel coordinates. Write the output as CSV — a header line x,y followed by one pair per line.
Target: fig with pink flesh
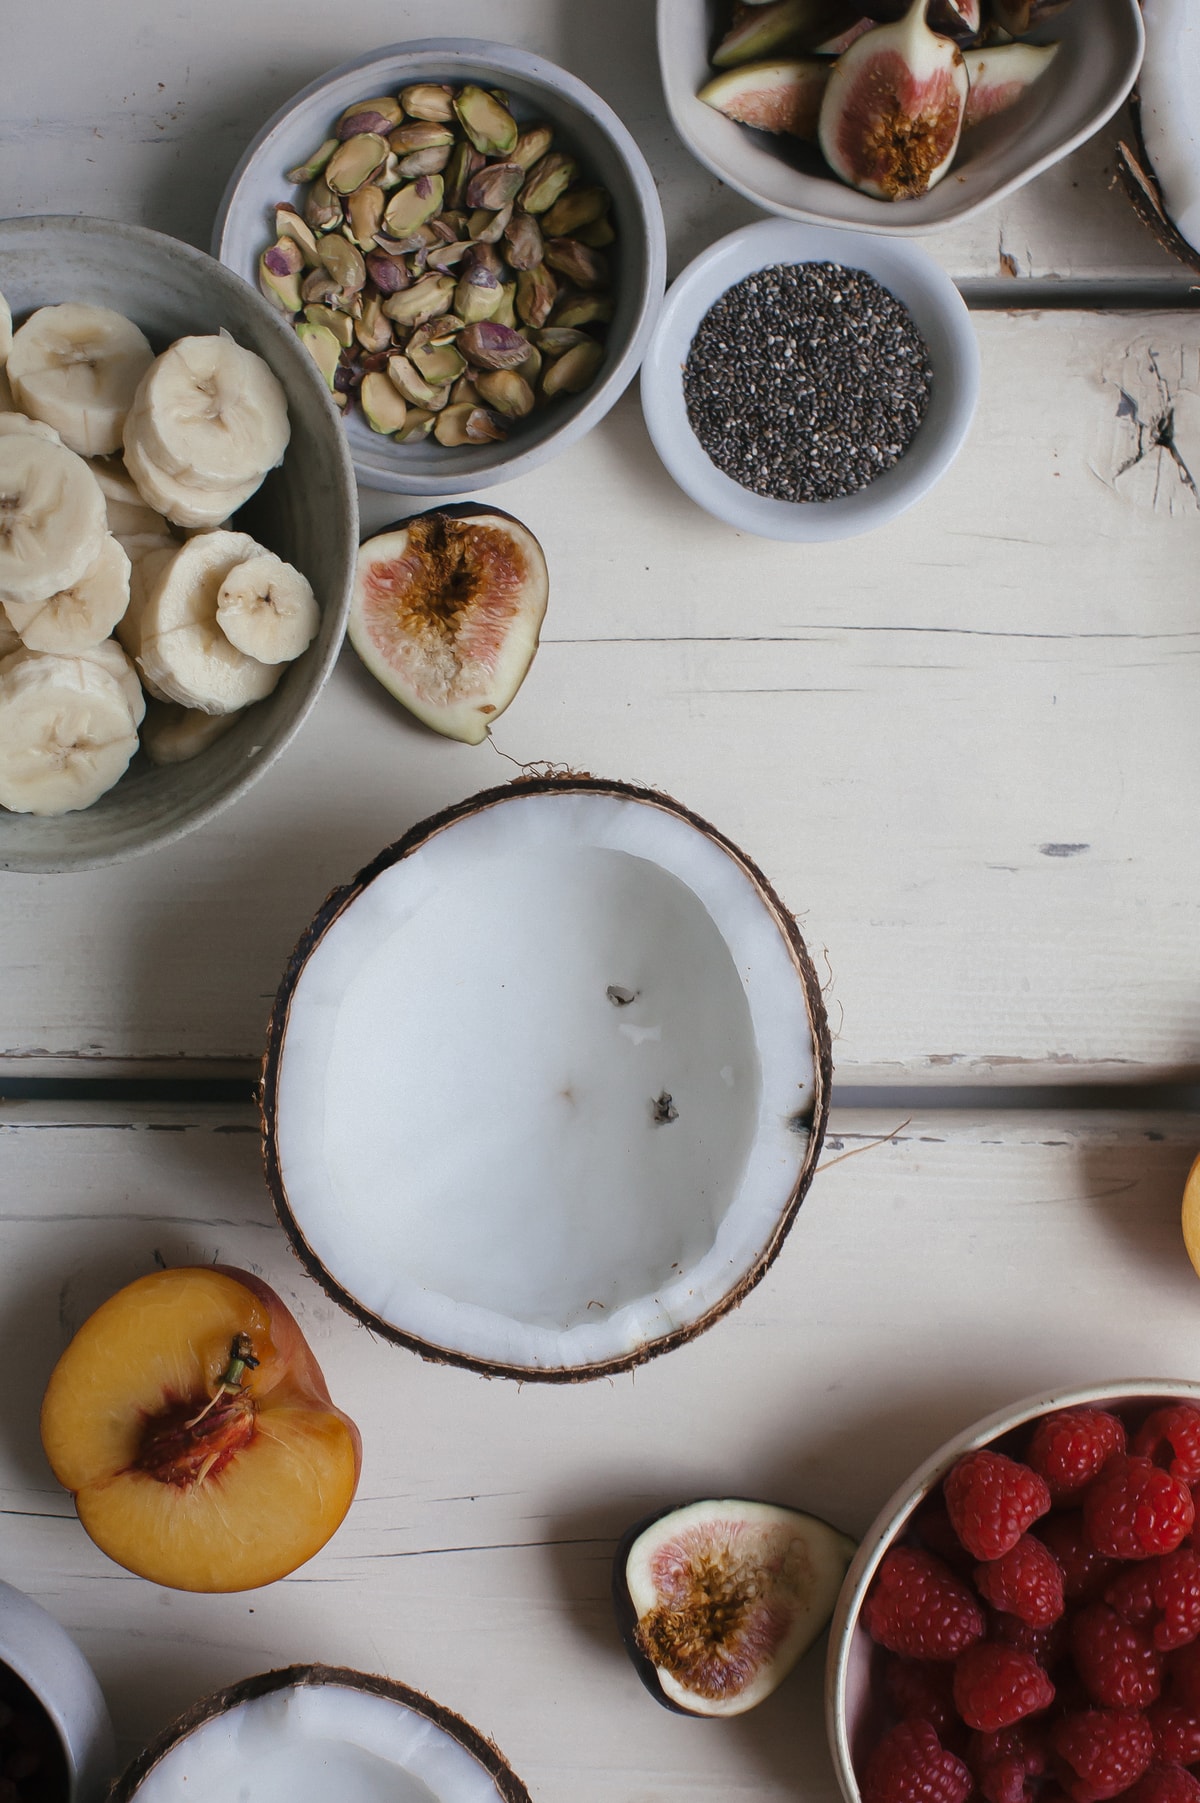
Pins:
x,y
778,97
1000,75
782,28
1019,16
893,107
717,1600
445,613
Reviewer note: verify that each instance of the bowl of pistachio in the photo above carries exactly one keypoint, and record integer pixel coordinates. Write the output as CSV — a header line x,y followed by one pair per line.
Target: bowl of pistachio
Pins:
x,y
469,243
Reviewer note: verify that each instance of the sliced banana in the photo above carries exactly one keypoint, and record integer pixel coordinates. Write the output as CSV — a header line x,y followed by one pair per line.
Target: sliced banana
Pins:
x,y
110,657
66,733
52,518
147,563
173,734
6,331
267,609
128,514
10,638
184,655
78,367
81,616
214,412
21,422
182,502
7,404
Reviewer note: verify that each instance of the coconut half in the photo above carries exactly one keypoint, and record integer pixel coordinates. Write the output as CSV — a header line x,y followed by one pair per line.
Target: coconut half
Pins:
x,y
314,1732
546,1083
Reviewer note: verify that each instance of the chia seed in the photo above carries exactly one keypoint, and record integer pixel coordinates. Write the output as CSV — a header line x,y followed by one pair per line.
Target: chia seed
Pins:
x,y
806,381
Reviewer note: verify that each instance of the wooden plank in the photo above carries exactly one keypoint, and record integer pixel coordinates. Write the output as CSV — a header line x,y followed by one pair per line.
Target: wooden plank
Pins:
x,y
955,1262
957,746
144,119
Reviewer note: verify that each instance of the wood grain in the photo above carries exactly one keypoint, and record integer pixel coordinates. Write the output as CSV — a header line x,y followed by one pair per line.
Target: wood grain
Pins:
x,y
953,1263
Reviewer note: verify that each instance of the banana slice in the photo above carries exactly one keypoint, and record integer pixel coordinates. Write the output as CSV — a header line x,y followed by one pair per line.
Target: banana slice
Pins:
x,y
184,655
7,404
82,615
6,331
21,422
52,518
173,734
184,503
10,638
77,368
213,412
109,656
267,609
128,514
148,560
66,733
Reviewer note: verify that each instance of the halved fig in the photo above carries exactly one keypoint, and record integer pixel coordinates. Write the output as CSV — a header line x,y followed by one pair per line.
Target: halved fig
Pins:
x,y
1000,75
778,97
1019,16
893,109
784,27
717,1600
445,613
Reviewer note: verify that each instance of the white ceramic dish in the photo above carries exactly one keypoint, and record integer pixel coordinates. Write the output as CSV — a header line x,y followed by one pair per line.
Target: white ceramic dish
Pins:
x,y
913,277
1093,73
583,124
850,1705
44,1657
1167,90
306,510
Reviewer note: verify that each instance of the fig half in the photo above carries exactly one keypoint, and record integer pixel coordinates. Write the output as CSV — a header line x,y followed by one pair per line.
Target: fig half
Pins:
x,y
718,1599
780,97
893,109
782,28
445,613
1001,74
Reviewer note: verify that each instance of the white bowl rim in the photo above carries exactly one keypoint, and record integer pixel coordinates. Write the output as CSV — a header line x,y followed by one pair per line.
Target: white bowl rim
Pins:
x,y
908,1496
506,59
891,493
45,1657
342,473
1118,96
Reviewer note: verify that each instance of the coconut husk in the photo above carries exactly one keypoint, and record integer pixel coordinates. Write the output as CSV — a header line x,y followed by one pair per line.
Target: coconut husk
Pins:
x,y
1141,185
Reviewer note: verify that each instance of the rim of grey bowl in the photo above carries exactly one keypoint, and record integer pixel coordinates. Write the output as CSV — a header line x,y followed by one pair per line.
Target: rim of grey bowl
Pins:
x,y
902,1504
341,473
506,59
801,522
919,228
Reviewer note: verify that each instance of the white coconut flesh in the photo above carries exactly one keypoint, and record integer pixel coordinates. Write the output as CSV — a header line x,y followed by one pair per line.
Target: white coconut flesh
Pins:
x,y
1168,84
318,1744
545,1085
785,1570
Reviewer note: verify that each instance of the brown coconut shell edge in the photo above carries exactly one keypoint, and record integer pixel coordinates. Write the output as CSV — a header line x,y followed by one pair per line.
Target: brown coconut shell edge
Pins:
x,y
1140,183
335,906
247,1690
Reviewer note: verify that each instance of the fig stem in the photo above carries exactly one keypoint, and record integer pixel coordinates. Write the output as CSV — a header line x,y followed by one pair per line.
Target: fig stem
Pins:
x,y
241,1360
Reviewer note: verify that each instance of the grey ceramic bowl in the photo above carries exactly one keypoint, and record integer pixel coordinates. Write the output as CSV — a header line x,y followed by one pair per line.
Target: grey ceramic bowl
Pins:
x,y
853,1718
306,511
583,124
940,315
1102,44
44,1657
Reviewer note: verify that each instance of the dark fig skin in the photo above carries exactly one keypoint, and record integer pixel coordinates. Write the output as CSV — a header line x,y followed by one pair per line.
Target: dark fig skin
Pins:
x,y
957,19
1019,16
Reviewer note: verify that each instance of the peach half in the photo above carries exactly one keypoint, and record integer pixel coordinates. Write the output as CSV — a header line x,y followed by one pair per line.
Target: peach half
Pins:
x,y
192,1423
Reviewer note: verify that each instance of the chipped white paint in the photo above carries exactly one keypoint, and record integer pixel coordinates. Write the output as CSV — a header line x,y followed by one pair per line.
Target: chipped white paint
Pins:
x,y
1150,442
475,1562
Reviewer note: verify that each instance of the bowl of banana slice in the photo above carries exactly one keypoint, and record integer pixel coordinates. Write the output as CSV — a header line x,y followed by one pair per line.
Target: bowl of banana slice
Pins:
x,y
178,528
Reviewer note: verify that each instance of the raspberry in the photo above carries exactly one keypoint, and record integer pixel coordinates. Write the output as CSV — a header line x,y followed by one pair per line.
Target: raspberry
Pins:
x,y
910,1765
1133,1510
922,1690
1116,1661
1162,1783
1183,1671
1072,1447
1004,1762
1085,1571
1048,1645
992,1500
918,1607
931,1525
1024,1581
995,1686
1103,1752
1176,1733
1162,1596
1171,1438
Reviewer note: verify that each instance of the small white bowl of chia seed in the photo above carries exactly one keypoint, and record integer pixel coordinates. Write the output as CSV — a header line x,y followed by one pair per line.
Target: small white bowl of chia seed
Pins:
x,y
809,383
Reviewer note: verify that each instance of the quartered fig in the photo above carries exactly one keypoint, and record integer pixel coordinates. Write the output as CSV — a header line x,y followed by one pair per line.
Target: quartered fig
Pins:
x,y
1000,75
1019,16
446,610
893,108
957,19
782,96
783,28
717,1600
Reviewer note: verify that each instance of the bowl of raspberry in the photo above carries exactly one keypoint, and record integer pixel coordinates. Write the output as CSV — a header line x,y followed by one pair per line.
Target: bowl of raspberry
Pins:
x,y
1021,1624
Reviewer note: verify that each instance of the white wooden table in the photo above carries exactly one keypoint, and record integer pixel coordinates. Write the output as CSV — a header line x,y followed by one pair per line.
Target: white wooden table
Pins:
x,y
965,750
